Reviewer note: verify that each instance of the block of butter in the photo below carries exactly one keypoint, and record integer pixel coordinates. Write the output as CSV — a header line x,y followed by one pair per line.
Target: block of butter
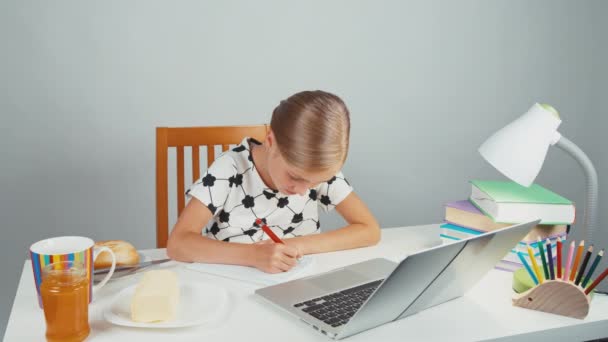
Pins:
x,y
156,297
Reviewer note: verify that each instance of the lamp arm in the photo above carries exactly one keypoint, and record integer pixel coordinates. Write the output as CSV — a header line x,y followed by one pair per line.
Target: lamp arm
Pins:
x,y
590,213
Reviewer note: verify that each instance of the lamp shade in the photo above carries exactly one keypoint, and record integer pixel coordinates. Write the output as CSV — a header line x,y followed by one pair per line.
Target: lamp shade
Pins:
x,y
519,149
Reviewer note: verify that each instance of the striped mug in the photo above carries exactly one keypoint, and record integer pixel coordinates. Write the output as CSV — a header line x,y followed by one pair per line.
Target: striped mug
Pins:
x,y
68,248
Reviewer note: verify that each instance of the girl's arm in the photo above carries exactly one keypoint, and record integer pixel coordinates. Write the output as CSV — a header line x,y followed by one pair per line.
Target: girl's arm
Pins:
x,y
362,230
187,244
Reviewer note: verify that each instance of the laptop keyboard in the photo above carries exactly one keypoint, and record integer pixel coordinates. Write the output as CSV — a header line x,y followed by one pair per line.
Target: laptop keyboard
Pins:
x,y
337,308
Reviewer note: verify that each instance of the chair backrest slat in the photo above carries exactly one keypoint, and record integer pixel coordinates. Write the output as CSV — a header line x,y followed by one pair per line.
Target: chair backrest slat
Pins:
x,y
210,154
194,137
196,163
180,180
162,188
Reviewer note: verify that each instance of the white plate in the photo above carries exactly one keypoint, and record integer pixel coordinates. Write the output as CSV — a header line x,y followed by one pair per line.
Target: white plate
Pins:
x,y
198,303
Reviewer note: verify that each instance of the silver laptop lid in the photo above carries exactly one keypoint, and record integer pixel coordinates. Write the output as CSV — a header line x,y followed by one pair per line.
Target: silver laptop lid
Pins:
x,y
434,276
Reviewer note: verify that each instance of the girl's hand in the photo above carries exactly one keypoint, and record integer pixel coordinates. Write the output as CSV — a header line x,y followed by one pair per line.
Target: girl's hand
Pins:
x,y
286,241
273,257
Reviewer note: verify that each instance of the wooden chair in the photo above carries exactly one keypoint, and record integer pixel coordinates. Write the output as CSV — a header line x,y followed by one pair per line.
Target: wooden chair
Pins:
x,y
180,137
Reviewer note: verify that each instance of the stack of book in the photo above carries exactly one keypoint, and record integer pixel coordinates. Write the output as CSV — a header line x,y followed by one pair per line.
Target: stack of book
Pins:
x,y
498,204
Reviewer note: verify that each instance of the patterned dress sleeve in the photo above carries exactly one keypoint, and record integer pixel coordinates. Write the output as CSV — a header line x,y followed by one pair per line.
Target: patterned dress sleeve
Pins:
x,y
332,192
213,188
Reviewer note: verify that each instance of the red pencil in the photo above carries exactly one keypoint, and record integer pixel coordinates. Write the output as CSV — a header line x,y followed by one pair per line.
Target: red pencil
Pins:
x,y
559,257
597,281
267,230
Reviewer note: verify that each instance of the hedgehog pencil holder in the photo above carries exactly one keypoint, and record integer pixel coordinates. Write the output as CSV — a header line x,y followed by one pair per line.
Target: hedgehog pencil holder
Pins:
x,y
555,296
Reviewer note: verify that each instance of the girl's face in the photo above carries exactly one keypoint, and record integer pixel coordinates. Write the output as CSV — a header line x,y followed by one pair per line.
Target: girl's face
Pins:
x,y
288,179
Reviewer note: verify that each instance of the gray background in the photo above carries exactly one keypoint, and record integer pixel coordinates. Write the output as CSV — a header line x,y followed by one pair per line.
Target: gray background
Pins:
x,y
83,84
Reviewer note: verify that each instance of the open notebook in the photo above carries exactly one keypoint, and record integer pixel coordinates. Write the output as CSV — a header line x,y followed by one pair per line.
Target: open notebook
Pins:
x,y
253,275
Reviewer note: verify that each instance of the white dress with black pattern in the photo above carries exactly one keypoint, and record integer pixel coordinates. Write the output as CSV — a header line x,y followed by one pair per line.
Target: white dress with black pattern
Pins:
x,y
236,195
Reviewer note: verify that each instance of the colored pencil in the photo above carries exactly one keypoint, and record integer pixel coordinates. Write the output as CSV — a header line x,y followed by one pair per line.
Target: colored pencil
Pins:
x,y
559,257
577,259
268,231
550,259
597,281
581,271
525,263
534,264
569,260
541,251
596,261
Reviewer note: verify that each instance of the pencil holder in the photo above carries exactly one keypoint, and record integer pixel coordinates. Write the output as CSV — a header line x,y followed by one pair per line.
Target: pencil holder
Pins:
x,y
555,296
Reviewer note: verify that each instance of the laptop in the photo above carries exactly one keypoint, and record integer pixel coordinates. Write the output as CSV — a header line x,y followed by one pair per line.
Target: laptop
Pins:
x,y
358,297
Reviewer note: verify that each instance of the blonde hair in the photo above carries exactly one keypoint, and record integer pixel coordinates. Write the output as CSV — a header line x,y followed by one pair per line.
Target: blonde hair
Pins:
x,y
312,129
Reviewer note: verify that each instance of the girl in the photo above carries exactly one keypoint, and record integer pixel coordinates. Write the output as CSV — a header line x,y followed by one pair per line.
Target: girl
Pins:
x,y
282,181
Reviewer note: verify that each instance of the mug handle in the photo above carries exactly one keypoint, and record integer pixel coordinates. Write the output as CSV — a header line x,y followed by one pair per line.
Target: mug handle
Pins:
x,y
96,252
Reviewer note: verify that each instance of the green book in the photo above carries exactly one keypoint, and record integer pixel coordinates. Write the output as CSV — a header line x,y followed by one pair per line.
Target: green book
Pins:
x,y
509,202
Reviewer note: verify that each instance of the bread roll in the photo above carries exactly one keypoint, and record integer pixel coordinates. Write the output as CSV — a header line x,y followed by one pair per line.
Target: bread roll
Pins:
x,y
125,253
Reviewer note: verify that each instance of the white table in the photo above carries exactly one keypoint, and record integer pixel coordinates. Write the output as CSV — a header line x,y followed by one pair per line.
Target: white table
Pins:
x,y
484,313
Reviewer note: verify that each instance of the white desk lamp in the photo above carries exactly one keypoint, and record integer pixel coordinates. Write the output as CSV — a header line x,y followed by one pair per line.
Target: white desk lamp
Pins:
x,y
518,151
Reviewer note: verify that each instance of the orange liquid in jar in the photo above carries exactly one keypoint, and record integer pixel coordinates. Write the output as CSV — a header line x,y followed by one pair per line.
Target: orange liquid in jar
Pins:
x,y
65,298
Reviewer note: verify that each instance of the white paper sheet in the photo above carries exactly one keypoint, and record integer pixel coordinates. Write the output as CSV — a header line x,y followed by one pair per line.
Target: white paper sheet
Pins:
x,y
253,275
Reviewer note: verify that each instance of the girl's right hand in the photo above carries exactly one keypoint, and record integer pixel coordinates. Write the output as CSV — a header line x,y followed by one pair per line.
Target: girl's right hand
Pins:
x,y
274,257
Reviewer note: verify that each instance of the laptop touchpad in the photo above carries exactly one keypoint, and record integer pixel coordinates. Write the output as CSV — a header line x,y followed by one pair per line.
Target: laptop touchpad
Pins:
x,y
339,280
